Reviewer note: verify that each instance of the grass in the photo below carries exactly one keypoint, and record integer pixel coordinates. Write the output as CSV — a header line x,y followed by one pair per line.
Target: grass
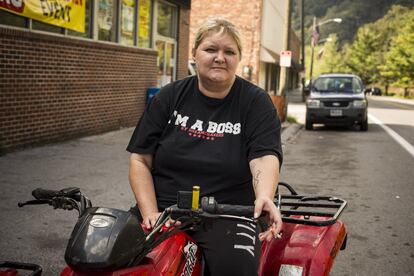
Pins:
x,y
291,119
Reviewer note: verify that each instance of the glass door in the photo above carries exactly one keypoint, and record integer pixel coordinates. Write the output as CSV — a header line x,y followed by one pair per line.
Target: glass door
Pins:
x,y
165,62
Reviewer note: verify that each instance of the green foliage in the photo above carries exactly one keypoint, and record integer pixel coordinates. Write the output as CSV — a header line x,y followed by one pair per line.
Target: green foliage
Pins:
x,y
331,62
399,59
381,52
354,13
364,54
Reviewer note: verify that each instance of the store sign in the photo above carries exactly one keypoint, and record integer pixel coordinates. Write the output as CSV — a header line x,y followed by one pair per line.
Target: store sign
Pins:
x,y
69,14
285,58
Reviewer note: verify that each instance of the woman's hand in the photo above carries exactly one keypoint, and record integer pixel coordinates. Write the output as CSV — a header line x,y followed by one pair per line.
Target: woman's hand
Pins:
x,y
150,220
274,218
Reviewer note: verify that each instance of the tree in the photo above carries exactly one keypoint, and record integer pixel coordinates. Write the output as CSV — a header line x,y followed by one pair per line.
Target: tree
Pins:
x,y
399,60
367,53
331,61
364,57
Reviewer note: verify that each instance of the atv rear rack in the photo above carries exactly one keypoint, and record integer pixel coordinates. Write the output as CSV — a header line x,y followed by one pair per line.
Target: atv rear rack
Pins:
x,y
308,209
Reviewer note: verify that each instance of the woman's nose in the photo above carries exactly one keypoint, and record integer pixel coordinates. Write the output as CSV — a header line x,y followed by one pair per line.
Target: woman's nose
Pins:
x,y
220,57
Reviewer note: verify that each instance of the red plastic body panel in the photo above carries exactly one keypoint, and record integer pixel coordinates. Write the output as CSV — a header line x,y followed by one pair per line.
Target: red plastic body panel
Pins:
x,y
9,272
312,248
175,255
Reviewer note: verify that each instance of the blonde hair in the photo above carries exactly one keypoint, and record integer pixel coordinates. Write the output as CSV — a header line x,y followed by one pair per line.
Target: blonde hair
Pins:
x,y
220,26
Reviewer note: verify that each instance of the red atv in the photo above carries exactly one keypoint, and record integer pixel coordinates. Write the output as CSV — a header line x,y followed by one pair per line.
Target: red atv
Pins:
x,y
107,241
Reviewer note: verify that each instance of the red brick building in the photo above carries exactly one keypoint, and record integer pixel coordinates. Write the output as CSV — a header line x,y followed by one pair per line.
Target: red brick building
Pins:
x,y
57,84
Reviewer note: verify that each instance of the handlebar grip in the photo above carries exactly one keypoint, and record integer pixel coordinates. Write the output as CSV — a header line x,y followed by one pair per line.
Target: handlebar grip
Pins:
x,y
210,205
236,210
72,192
40,193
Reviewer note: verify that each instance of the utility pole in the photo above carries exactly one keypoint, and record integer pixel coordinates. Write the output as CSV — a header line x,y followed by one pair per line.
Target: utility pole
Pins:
x,y
302,39
302,33
314,41
283,70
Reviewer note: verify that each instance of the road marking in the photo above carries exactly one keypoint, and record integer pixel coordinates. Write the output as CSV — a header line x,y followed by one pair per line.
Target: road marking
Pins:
x,y
400,105
407,146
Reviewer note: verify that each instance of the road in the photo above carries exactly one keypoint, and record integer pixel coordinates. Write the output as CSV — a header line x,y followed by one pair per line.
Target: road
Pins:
x,y
374,172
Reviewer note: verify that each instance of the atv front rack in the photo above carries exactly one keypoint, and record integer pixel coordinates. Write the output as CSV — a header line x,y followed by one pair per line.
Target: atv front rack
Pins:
x,y
309,210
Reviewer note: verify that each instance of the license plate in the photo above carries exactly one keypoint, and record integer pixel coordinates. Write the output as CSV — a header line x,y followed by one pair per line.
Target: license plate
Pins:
x,y
336,112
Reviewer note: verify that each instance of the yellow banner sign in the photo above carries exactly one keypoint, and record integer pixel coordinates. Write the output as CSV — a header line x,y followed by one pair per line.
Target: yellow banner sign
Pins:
x,y
69,14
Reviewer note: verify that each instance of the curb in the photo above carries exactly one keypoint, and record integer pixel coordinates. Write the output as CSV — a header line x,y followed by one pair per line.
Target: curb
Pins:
x,y
289,131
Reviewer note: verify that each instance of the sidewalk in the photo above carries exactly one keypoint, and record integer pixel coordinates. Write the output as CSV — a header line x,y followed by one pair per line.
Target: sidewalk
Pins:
x,y
392,99
296,107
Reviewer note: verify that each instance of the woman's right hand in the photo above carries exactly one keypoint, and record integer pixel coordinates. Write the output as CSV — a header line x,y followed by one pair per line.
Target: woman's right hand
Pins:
x,y
150,220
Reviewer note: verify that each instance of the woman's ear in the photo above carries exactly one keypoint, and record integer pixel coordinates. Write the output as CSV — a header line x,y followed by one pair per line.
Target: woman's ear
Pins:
x,y
193,52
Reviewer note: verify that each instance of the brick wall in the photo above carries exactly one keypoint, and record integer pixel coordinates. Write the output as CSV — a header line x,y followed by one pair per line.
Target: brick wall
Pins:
x,y
245,14
183,42
54,88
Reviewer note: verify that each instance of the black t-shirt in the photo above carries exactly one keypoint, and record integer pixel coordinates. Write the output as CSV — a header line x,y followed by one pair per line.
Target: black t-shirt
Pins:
x,y
198,140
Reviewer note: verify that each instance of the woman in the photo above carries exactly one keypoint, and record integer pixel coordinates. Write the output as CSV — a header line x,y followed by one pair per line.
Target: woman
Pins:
x,y
219,132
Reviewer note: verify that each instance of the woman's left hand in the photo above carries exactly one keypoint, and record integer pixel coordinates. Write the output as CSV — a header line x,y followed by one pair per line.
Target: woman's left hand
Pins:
x,y
274,218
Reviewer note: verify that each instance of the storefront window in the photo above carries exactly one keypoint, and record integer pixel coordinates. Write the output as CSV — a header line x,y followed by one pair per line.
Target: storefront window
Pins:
x,y
166,20
144,23
37,25
107,20
88,17
8,18
165,40
272,73
127,22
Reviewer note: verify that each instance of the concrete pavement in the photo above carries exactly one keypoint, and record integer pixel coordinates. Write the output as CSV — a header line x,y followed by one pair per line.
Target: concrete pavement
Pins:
x,y
98,165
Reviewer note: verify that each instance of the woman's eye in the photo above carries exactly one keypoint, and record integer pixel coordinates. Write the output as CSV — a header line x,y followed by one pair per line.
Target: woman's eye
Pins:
x,y
230,52
210,50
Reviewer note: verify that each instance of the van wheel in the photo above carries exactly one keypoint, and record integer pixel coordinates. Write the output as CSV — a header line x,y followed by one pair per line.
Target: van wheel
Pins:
x,y
364,125
308,124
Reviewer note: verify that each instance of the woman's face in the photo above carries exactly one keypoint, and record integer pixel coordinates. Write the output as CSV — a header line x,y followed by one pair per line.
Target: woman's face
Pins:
x,y
217,58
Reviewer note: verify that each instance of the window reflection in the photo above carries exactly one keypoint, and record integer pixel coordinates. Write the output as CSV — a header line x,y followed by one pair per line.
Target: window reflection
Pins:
x,y
165,62
8,18
160,60
165,20
107,20
127,22
144,23
37,25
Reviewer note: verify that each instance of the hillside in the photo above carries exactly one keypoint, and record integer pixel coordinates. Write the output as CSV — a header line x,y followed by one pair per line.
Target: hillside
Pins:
x,y
354,14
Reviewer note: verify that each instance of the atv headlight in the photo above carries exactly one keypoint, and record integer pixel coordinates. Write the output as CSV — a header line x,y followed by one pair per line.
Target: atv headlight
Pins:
x,y
360,103
313,103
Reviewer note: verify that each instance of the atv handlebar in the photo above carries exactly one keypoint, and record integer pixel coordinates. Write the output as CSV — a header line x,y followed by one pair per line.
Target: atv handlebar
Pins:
x,y
66,199
299,209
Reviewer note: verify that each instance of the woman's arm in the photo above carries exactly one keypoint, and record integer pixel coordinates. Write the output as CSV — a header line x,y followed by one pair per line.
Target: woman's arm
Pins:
x,y
265,172
142,185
